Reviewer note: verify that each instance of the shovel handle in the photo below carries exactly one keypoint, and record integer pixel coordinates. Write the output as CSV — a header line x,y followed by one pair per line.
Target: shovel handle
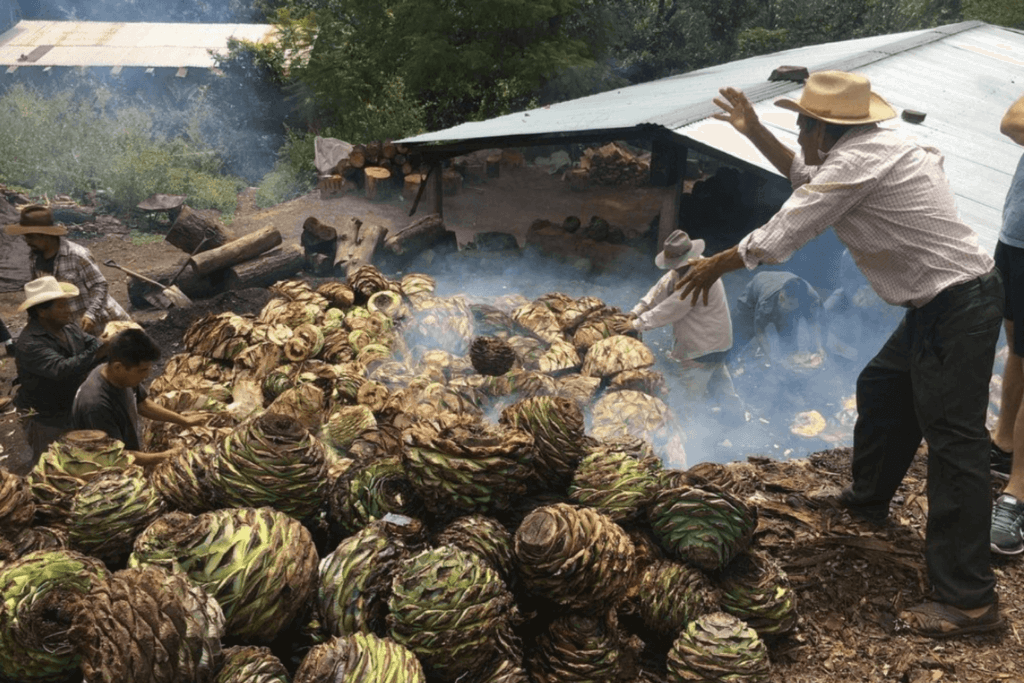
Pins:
x,y
110,263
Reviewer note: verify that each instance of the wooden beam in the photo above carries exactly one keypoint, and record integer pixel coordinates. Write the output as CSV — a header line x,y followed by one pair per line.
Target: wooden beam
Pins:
x,y
670,205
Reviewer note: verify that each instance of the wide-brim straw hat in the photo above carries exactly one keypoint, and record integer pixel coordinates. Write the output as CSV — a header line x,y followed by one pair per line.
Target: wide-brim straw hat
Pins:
x,y
36,220
839,97
677,250
44,289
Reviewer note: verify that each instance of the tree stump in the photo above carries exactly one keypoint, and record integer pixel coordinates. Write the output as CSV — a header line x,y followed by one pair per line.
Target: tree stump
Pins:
x,y
493,163
451,182
579,179
411,186
376,182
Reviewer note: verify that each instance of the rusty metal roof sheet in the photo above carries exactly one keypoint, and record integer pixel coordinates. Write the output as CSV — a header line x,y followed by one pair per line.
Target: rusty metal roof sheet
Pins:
x,y
124,44
962,76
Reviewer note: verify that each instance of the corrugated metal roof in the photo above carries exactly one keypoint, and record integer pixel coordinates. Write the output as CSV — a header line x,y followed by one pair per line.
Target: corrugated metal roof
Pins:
x,y
103,43
963,76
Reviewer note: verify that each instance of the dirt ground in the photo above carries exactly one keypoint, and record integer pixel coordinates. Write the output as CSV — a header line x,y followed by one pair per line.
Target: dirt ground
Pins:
x,y
850,581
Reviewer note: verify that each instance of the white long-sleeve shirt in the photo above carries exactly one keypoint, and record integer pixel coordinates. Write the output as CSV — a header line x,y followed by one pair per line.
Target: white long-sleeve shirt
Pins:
x,y
697,330
890,203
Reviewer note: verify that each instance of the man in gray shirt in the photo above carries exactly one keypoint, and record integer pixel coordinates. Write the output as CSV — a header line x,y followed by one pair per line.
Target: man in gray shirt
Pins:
x,y
112,398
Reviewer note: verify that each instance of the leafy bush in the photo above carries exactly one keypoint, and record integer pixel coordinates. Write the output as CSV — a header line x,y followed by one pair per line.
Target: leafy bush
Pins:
x,y
60,144
282,184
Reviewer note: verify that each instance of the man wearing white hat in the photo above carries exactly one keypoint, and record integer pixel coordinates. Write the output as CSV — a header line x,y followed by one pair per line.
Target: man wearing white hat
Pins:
x,y
53,357
54,254
889,202
701,335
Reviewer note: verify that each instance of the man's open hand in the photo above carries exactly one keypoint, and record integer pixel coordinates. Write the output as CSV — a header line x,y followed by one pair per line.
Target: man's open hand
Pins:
x,y
704,272
736,110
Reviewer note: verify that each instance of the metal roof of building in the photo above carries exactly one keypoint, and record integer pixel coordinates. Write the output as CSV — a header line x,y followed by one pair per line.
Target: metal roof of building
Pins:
x,y
962,76
113,44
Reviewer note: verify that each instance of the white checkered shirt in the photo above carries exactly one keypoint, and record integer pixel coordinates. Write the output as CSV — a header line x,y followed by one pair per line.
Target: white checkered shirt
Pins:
x,y
74,264
890,203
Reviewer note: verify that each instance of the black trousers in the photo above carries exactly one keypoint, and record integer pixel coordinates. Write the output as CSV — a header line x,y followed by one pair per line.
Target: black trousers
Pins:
x,y
931,379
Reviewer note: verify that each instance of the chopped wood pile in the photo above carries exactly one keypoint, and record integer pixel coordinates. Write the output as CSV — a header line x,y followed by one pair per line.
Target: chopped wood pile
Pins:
x,y
611,164
378,167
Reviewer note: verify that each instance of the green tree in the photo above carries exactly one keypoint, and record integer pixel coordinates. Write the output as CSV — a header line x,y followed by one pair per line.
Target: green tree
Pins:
x,y
666,37
784,24
373,69
1008,13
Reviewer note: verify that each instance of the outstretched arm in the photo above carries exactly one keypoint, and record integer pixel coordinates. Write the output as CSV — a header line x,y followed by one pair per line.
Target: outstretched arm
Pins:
x,y
154,411
1012,125
737,110
705,272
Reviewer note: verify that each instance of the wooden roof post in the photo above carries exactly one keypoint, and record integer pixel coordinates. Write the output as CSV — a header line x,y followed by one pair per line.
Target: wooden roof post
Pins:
x,y
668,162
438,190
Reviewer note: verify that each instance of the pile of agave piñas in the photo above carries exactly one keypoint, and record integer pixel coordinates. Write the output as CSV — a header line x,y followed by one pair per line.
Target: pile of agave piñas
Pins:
x,y
393,487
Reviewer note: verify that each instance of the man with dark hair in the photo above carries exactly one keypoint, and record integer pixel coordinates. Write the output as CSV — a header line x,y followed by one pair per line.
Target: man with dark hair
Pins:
x,y
53,357
112,398
54,254
890,203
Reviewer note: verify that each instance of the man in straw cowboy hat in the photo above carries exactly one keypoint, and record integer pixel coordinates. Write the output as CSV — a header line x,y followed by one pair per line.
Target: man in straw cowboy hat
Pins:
x,y
702,335
889,202
54,254
53,357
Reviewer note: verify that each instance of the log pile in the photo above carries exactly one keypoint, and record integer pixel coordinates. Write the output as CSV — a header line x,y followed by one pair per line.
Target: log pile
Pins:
x,y
379,167
611,164
216,262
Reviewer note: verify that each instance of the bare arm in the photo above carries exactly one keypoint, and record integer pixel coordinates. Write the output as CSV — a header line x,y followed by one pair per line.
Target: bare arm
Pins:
x,y
154,411
1012,125
705,272
737,110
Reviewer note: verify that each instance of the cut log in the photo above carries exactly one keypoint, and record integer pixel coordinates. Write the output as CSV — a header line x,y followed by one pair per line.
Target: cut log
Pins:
x,y
236,251
191,228
579,179
376,182
362,250
316,233
373,150
389,150
451,182
493,165
357,157
274,265
192,285
416,237
348,233
411,186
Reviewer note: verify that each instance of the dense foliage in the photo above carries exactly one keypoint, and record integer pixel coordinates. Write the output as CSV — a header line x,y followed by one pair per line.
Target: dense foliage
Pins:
x,y
366,70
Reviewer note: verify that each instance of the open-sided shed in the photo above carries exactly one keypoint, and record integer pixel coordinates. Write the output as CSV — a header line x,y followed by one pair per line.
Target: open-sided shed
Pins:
x,y
961,76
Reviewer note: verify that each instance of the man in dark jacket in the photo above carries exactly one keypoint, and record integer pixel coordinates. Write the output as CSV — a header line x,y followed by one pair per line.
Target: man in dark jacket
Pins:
x,y
53,356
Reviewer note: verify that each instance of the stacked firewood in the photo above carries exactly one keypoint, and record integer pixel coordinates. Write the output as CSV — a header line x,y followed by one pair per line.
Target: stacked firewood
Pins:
x,y
374,166
611,164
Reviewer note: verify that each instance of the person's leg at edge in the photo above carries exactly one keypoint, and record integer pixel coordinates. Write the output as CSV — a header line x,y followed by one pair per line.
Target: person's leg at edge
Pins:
x,y
886,435
1010,401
